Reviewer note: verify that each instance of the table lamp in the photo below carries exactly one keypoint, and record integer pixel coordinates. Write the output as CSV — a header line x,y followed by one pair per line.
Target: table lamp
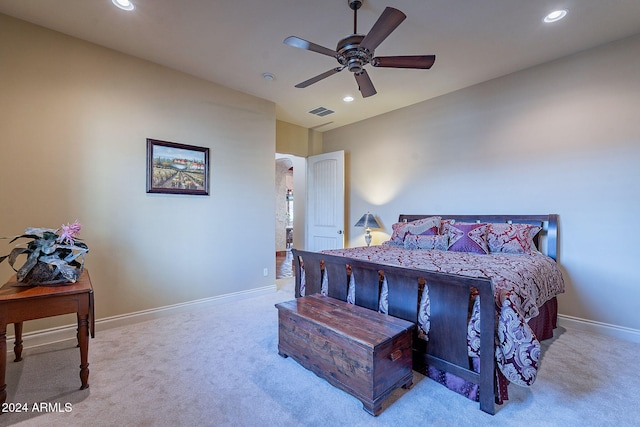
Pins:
x,y
368,221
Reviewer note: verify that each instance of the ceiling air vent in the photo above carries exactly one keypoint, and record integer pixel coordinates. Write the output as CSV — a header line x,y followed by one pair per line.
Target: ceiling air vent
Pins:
x,y
321,111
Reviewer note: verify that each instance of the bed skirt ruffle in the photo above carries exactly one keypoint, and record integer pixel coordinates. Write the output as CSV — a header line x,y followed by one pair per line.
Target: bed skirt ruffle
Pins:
x,y
542,325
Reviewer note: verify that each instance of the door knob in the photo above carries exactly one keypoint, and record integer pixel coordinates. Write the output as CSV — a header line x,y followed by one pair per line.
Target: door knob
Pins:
x,y
339,231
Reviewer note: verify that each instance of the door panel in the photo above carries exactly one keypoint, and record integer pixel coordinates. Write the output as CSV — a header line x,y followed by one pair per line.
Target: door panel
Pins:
x,y
325,199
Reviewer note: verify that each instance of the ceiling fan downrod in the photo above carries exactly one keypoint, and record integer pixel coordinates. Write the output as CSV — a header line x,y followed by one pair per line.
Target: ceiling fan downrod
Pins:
x,y
355,5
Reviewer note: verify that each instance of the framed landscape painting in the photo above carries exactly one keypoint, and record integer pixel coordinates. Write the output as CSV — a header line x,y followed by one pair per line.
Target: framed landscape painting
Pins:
x,y
174,168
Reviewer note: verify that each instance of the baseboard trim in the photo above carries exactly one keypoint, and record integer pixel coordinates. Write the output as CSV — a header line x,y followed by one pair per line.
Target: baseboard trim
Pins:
x,y
627,334
68,332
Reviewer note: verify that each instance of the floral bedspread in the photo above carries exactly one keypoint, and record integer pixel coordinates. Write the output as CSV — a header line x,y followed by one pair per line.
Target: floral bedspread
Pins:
x,y
522,283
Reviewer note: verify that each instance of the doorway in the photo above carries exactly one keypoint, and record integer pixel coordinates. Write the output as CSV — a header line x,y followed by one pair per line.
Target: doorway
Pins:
x,y
285,215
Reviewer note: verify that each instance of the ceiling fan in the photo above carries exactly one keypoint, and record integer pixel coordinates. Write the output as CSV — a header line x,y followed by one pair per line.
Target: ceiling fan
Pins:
x,y
355,51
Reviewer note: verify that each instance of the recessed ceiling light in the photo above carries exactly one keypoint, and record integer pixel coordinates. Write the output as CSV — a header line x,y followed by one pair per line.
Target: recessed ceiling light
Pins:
x,y
554,16
348,99
123,4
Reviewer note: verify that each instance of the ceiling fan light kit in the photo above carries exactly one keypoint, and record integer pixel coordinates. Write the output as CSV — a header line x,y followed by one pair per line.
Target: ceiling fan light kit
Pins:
x,y
357,50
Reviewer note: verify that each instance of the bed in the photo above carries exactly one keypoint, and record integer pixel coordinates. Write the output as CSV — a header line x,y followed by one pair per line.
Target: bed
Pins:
x,y
481,289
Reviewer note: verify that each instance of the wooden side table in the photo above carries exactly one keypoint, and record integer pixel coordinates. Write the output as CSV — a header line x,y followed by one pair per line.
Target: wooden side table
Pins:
x,y
19,303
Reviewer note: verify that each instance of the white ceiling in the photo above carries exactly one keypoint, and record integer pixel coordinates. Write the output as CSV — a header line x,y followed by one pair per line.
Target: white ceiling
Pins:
x,y
234,42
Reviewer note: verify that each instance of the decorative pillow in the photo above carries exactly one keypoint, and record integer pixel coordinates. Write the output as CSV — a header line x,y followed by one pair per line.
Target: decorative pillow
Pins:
x,y
424,227
439,242
466,237
399,231
420,227
512,238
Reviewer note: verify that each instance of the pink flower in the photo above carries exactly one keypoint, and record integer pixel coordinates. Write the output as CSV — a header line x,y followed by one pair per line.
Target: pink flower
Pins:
x,y
69,232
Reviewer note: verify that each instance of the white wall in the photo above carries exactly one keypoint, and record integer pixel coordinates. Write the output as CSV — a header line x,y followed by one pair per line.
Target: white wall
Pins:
x,y
559,138
74,120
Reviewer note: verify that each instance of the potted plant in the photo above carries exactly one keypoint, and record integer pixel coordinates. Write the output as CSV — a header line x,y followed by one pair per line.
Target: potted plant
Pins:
x,y
54,256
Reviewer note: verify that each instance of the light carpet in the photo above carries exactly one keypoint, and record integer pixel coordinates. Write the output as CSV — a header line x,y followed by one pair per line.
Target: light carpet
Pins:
x,y
219,366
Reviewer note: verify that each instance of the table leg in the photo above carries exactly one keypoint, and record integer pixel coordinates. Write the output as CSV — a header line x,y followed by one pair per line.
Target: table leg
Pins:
x,y
3,362
17,345
83,343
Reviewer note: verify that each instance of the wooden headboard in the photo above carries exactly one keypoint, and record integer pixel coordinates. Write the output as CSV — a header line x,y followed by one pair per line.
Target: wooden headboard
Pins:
x,y
546,241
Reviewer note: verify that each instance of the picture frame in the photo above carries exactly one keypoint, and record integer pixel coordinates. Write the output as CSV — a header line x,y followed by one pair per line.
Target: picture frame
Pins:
x,y
174,168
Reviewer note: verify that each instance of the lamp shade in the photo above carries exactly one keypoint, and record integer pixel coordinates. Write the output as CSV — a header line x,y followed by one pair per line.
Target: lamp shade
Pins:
x,y
368,221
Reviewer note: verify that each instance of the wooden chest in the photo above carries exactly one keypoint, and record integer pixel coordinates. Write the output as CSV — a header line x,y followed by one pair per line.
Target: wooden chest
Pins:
x,y
360,351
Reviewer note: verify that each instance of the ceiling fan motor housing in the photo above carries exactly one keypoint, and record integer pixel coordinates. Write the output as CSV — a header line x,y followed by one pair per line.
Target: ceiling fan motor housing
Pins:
x,y
350,54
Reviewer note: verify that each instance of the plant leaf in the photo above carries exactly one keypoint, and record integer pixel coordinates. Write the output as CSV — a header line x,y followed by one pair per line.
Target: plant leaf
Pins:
x,y
82,245
75,254
67,271
31,261
30,236
49,235
38,232
13,256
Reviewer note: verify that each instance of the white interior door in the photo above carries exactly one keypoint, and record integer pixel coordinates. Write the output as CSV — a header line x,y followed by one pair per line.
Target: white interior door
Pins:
x,y
325,201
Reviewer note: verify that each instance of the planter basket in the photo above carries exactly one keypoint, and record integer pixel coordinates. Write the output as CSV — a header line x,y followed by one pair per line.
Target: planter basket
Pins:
x,y
44,274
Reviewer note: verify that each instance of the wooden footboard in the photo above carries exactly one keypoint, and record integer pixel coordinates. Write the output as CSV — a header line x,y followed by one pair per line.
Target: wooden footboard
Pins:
x,y
446,348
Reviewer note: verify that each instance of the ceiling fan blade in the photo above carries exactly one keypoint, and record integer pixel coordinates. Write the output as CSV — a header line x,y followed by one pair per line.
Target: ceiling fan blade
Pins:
x,y
410,61
386,23
319,77
365,84
303,44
